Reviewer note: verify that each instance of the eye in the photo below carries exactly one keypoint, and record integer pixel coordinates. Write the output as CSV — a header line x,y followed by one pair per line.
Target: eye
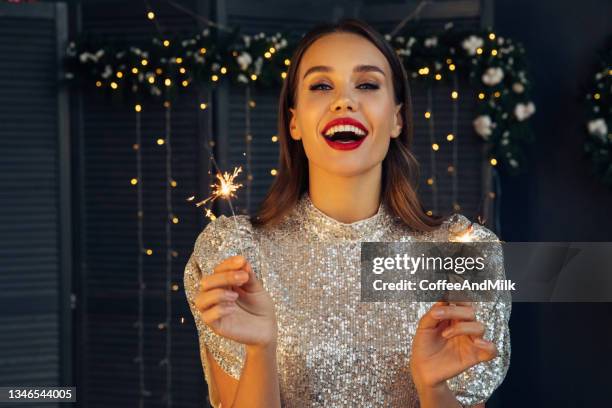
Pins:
x,y
316,87
369,86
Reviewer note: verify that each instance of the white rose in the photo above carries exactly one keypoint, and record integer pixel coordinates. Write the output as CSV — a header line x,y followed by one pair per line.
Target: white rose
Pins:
x,y
523,111
471,44
244,60
483,125
242,78
258,63
431,42
598,127
493,76
518,87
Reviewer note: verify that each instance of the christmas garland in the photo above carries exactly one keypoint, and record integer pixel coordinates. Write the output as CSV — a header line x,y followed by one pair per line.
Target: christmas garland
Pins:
x,y
598,144
495,66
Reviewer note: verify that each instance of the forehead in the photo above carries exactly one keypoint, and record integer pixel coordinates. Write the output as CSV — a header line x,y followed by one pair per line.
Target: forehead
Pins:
x,y
343,51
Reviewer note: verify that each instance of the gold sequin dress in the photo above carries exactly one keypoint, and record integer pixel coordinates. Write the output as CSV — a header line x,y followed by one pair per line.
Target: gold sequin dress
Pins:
x,y
333,350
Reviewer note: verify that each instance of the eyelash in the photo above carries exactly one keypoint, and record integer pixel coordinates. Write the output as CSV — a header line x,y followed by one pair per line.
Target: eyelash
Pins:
x,y
374,86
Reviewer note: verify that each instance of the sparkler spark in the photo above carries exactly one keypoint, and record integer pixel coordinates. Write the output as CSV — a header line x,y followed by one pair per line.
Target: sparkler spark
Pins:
x,y
224,188
464,236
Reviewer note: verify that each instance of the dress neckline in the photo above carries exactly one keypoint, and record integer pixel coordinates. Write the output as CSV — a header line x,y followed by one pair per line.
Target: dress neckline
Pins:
x,y
326,227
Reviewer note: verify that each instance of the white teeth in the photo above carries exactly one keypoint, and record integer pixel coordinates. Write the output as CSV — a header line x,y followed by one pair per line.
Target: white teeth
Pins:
x,y
345,128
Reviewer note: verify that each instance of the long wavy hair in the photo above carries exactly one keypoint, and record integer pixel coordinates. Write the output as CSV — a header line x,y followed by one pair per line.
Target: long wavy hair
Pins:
x,y
400,169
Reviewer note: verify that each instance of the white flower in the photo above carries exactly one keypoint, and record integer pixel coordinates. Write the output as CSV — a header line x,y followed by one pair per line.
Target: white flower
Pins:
x,y
243,78
400,39
518,87
598,127
388,37
411,41
69,75
522,111
107,72
258,63
215,66
247,40
472,43
431,42
84,57
513,163
244,60
493,76
205,32
100,53
483,125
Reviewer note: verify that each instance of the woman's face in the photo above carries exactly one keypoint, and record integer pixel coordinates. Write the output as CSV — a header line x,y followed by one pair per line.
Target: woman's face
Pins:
x,y
343,75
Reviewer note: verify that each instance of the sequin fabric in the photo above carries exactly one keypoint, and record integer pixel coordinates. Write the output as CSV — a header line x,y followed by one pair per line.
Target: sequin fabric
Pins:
x,y
333,350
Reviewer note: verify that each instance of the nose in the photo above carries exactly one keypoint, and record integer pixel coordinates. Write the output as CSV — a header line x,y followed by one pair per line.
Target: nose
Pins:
x,y
343,102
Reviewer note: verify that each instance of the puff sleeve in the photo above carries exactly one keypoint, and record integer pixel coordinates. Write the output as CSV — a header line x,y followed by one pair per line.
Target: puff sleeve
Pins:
x,y
220,239
477,383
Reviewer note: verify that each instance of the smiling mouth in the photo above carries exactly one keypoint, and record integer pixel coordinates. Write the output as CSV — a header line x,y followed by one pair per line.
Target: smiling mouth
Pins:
x,y
344,137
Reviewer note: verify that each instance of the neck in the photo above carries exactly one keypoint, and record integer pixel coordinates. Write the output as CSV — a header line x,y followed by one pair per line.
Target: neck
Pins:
x,y
346,199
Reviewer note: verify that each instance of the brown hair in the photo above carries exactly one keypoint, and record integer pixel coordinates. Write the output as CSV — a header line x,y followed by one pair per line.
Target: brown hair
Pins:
x,y
400,167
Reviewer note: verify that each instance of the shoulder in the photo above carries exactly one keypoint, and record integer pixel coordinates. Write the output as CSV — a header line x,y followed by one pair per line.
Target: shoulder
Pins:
x,y
459,227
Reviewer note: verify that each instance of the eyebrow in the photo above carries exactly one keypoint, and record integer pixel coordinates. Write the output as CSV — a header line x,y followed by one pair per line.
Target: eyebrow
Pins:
x,y
358,68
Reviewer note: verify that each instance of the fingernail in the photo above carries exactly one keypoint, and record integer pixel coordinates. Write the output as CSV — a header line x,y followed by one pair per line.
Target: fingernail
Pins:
x,y
438,313
241,276
446,333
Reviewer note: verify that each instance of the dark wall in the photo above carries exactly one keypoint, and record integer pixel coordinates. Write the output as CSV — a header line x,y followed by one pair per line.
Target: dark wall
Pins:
x,y
561,353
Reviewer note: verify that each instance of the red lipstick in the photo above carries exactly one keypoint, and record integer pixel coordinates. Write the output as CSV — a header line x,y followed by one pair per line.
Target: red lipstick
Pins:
x,y
356,141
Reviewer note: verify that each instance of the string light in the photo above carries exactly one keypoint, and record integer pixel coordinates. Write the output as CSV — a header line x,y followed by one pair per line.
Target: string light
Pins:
x,y
202,51
182,70
491,36
427,115
185,83
167,82
438,77
497,94
223,70
493,52
138,108
150,15
134,181
160,142
450,137
151,79
253,77
479,51
430,181
114,85
215,78
288,62
273,172
454,94
252,103
98,84
158,71
451,67
283,75
173,183
203,106
597,96
175,220
119,74
274,139
481,96
179,60
166,43
144,62
429,212
435,147
149,252
134,70
493,162
267,54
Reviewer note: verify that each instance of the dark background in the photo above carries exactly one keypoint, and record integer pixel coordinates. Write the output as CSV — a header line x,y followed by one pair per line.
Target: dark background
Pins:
x,y
67,214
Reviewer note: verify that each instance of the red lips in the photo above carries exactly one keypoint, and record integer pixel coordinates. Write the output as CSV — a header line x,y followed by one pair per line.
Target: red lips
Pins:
x,y
344,121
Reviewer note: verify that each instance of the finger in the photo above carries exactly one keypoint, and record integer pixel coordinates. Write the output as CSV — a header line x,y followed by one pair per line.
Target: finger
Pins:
x,y
231,263
453,312
218,311
472,328
428,321
486,349
229,278
208,298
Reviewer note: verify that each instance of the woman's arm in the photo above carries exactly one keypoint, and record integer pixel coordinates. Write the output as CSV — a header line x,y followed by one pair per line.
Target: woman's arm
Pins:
x,y
258,385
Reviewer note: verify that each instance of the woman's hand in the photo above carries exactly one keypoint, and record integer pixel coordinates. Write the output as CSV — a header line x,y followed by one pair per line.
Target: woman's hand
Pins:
x,y
448,341
235,305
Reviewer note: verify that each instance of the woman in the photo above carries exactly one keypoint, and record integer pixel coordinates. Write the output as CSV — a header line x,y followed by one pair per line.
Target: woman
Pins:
x,y
277,301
